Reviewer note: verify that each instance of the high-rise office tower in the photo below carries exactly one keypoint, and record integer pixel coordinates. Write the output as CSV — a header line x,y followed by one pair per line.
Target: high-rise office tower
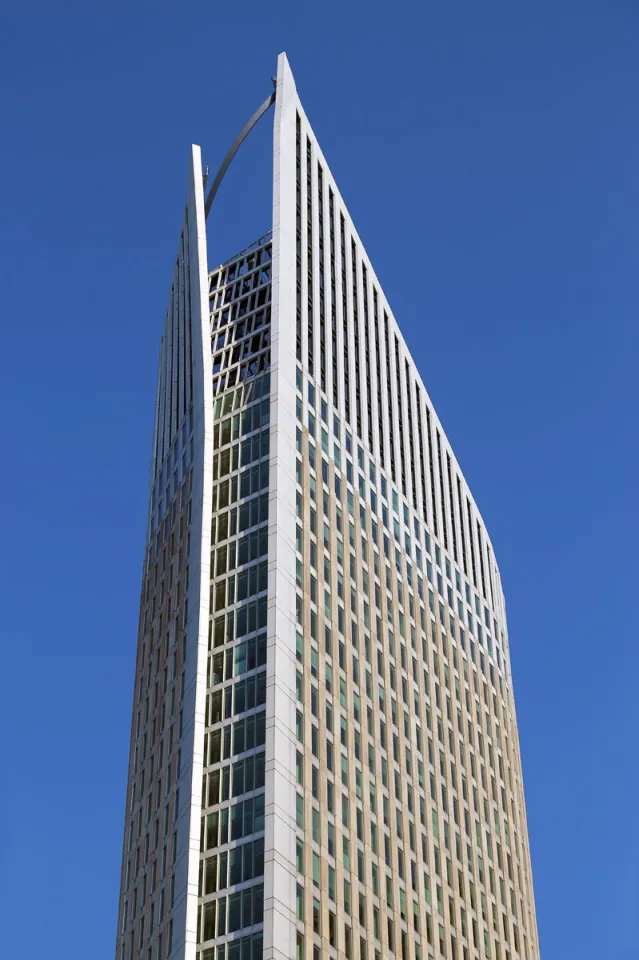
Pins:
x,y
324,755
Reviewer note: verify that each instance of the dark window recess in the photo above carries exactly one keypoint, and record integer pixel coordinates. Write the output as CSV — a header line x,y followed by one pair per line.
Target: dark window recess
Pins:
x,y
322,306
451,504
481,559
460,507
410,432
235,698
367,358
422,463
490,574
249,732
471,540
441,488
431,464
309,257
358,397
380,417
400,409
389,396
347,389
248,775
298,232
331,214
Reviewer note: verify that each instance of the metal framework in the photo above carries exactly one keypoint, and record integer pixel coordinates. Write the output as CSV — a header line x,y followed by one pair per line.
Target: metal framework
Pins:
x,y
235,147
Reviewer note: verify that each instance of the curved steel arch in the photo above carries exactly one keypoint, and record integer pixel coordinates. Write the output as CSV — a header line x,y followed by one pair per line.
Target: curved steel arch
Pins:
x,y
236,146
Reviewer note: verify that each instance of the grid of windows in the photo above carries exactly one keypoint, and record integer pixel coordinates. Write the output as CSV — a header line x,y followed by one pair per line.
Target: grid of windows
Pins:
x,y
310,341
331,216
407,447
175,382
231,889
153,801
321,253
240,306
407,761
411,836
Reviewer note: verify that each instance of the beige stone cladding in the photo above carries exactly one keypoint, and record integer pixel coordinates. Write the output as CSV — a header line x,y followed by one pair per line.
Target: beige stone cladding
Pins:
x,y
411,833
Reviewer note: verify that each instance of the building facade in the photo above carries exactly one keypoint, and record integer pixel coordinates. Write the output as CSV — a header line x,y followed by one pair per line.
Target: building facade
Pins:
x,y
324,756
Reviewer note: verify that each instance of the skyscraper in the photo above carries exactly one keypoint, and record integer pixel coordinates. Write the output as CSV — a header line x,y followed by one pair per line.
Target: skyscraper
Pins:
x,y
324,756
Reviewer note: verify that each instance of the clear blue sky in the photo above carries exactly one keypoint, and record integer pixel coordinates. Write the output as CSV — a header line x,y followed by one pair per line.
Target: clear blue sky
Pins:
x,y
489,154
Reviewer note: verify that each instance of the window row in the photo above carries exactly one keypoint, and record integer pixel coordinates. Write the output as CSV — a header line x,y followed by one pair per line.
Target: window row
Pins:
x,y
241,424
237,660
232,823
249,482
245,394
234,308
237,623
259,253
237,865
229,914
235,589
243,776
240,552
236,738
251,346
240,328
245,371
243,948
241,455
236,698
232,291
238,519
